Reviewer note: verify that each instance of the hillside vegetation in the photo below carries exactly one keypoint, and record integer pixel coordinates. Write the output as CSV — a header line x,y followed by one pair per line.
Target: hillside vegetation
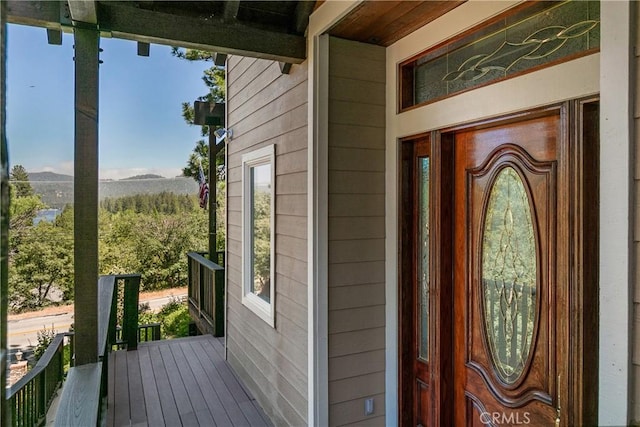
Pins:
x,y
148,234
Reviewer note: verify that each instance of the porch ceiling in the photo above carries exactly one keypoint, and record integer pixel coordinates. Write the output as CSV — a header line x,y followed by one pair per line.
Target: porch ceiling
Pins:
x,y
265,29
384,22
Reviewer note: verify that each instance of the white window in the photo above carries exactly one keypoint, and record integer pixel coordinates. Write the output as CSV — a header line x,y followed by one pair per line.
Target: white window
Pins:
x,y
258,234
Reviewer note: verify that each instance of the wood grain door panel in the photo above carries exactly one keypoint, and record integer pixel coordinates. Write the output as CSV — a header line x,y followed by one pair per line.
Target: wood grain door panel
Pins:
x,y
513,277
527,152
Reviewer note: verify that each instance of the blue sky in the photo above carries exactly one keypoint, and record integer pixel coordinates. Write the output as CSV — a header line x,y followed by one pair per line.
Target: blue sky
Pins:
x,y
141,126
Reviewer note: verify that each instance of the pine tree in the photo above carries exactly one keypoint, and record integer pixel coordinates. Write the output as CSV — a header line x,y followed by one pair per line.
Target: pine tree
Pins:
x,y
20,180
214,79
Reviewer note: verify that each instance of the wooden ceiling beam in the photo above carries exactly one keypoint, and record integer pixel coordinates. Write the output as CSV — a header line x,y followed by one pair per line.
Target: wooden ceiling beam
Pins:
x,y
34,13
83,11
124,20
231,8
304,9
213,34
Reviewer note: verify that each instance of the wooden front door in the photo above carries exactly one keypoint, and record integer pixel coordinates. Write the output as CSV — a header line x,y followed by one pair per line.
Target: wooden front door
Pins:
x,y
499,293
510,347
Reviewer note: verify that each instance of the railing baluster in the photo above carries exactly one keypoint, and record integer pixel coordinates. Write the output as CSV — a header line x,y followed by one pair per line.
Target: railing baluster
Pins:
x,y
201,295
40,402
30,398
206,292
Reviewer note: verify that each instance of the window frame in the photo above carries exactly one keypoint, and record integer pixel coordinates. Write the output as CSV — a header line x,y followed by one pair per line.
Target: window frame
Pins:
x,y
405,97
263,309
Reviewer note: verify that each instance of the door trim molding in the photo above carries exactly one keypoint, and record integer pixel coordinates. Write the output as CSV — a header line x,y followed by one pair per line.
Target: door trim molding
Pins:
x,y
616,216
577,158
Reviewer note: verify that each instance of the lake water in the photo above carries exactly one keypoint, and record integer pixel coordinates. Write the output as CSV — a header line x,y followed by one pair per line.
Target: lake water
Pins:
x,y
48,215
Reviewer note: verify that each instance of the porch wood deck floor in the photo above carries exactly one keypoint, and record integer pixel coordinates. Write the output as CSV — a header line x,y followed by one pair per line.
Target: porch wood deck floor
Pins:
x,y
179,382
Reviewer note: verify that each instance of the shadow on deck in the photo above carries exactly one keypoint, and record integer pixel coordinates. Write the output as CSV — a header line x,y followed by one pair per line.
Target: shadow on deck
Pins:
x,y
179,382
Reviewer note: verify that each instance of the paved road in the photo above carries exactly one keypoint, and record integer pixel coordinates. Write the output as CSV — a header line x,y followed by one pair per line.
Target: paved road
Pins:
x,y
23,333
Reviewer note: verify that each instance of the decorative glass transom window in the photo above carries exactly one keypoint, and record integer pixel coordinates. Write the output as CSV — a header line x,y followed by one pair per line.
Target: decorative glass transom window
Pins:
x,y
524,39
258,237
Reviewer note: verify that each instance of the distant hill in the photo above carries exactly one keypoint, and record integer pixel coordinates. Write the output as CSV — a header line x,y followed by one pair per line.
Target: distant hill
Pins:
x,y
56,194
145,176
49,176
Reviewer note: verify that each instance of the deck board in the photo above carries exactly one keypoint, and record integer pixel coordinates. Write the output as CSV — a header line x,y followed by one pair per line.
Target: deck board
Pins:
x,y
178,389
152,404
229,378
121,390
180,382
214,404
136,390
111,375
167,400
192,387
228,401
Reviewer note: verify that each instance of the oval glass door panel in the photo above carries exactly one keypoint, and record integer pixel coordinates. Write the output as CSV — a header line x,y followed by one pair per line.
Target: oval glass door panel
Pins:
x,y
509,275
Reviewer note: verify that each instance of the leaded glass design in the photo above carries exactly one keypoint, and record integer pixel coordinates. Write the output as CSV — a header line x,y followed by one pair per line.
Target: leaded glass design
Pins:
x,y
509,274
540,35
423,258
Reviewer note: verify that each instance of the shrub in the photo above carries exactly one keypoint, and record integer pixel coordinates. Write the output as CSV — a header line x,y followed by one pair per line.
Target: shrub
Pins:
x,y
176,323
45,337
174,304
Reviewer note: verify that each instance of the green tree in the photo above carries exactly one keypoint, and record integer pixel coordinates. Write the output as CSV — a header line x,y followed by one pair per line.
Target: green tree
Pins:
x,y
42,262
153,244
20,180
116,251
22,212
214,80
161,244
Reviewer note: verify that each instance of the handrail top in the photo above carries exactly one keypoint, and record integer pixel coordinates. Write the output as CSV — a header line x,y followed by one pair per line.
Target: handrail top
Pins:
x,y
106,289
204,261
80,397
120,276
43,362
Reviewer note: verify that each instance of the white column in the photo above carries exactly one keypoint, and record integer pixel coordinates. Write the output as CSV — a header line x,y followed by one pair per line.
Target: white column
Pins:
x,y
616,233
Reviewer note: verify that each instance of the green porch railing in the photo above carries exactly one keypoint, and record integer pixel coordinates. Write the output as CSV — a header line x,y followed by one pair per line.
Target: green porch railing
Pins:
x,y
124,311
146,332
29,398
206,292
118,327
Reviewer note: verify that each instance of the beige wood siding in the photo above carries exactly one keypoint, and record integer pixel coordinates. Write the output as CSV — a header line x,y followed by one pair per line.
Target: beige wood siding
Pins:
x,y
635,394
267,107
356,232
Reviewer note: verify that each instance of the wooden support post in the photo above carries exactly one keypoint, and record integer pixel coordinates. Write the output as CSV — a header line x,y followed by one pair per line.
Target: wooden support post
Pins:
x,y
85,195
213,187
4,218
218,303
130,315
